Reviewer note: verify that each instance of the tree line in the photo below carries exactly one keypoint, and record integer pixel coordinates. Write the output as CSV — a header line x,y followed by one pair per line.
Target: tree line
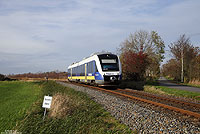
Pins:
x,y
50,75
141,55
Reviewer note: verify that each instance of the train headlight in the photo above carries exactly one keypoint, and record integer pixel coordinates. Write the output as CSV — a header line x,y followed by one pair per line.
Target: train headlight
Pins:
x,y
112,78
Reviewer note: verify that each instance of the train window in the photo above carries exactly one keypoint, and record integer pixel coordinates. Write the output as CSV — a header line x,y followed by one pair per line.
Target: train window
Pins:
x,y
88,67
89,71
82,73
91,63
83,69
92,66
109,62
72,71
69,72
79,70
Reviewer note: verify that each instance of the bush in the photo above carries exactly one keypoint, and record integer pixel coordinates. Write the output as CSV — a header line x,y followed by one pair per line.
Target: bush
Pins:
x,y
138,85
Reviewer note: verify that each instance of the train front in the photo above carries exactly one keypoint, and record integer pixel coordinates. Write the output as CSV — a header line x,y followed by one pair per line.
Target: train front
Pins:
x,y
109,70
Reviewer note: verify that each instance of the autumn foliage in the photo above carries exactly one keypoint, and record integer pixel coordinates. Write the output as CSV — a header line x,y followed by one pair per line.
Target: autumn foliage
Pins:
x,y
134,65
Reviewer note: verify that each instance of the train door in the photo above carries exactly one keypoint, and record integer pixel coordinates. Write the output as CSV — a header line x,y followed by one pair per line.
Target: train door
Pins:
x,y
71,73
85,72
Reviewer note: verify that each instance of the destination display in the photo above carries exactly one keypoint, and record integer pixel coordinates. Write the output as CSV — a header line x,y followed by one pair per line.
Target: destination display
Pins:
x,y
108,61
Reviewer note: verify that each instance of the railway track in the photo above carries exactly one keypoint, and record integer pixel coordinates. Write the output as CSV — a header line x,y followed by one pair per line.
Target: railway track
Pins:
x,y
171,101
180,106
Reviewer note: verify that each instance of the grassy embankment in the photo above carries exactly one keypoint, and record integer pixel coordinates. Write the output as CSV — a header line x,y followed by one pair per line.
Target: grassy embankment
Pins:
x,y
153,87
71,112
191,84
15,98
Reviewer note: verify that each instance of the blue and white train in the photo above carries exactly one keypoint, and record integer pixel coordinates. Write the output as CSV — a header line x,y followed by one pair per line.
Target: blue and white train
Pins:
x,y
102,69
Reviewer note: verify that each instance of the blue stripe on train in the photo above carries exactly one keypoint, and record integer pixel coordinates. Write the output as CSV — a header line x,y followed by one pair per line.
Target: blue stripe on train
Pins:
x,y
98,76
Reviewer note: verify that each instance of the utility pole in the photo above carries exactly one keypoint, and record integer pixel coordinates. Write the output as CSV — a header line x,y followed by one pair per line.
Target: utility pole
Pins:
x,y
182,57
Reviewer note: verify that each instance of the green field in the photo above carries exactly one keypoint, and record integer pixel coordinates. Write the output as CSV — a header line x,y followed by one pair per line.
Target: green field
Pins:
x,y
76,112
15,98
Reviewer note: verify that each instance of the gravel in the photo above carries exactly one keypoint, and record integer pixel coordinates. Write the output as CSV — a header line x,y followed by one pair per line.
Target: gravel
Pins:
x,y
138,116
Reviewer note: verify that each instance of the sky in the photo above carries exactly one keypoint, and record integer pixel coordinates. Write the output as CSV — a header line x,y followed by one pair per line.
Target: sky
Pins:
x,y
47,35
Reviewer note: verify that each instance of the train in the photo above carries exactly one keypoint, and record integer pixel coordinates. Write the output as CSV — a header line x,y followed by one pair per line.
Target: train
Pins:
x,y
99,69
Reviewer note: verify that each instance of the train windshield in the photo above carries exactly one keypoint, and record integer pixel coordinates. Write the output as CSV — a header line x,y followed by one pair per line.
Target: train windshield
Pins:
x,y
109,62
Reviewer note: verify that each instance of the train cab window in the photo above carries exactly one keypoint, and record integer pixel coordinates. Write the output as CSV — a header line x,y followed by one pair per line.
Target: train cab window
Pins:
x,y
109,62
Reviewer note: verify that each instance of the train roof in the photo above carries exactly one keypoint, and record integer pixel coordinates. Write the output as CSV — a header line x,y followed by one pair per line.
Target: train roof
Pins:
x,y
93,54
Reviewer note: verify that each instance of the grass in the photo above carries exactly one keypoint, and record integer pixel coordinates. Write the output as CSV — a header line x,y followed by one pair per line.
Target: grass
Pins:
x,y
171,91
189,84
86,116
153,87
15,98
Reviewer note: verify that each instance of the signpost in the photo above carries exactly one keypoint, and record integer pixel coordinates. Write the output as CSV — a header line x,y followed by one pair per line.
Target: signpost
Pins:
x,y
46,104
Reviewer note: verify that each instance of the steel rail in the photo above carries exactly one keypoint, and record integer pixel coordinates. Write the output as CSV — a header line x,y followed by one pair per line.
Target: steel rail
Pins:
x,y
162,98
179,110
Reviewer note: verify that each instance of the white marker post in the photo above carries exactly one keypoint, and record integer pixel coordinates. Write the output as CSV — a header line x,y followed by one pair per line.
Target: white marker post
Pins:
x,y
46,104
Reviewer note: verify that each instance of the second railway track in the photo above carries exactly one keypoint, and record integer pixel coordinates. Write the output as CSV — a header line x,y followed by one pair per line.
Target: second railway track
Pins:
x,y
171,101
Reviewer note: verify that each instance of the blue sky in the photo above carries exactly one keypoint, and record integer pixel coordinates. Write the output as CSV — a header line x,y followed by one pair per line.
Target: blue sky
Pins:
x,y
47,35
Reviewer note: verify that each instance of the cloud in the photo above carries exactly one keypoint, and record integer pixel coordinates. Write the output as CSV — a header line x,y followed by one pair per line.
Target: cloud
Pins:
x,y
47,35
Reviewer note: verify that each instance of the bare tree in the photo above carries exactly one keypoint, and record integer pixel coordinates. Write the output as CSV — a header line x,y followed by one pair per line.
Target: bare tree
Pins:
x,y
185,54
